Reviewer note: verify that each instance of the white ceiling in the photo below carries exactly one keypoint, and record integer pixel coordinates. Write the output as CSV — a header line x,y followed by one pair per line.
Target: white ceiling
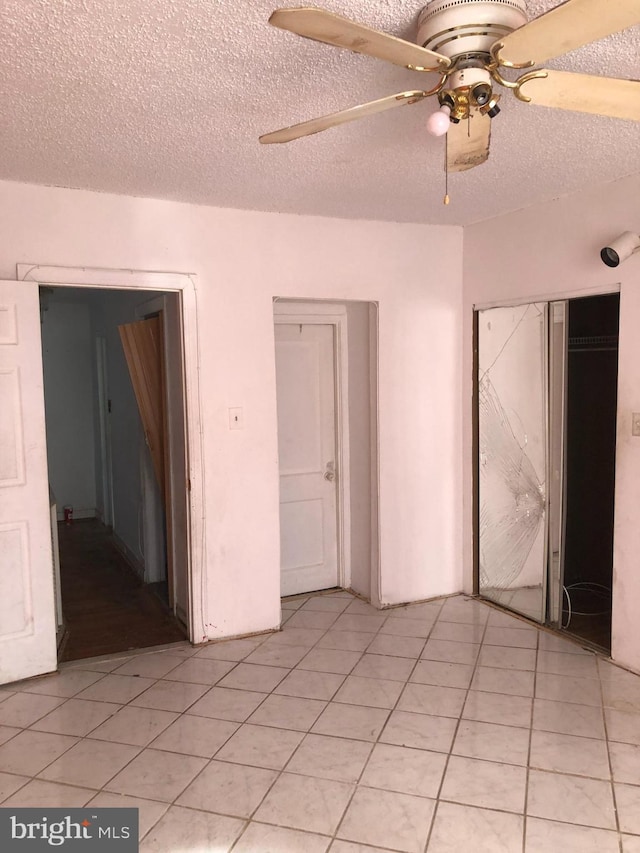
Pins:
x,y
166,98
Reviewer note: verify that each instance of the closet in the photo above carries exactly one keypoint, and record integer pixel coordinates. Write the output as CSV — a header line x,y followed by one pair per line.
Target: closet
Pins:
x,y
545,421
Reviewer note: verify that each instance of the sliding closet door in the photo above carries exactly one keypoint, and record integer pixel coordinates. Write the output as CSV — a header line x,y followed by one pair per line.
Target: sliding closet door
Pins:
x,y
512,456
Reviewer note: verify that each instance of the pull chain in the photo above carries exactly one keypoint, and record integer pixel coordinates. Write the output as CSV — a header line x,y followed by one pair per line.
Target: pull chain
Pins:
x,y
446,199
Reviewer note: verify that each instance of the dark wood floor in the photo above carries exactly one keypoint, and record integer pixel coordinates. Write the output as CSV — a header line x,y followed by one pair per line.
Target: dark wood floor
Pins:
x,y
106,607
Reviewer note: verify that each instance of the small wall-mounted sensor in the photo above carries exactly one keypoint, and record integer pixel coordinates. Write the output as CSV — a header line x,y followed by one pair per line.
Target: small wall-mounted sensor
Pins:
x,y
620,249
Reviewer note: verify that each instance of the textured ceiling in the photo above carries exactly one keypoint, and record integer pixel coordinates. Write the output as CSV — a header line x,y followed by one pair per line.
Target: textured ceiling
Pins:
x,y
166,98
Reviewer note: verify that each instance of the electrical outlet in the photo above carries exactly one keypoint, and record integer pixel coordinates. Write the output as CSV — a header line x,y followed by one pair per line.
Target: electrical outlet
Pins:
x,y
635,423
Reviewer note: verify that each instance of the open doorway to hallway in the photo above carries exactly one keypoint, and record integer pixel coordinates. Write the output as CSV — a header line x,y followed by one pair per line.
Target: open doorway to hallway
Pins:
x,y
120,520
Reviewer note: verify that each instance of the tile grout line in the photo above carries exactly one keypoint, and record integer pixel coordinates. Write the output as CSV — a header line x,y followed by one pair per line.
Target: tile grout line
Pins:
x,y
79,738
184,712
384,725
141,749
279,773
529,748
87,734
373,743
149,745
455,735
390,711
606,740
405,683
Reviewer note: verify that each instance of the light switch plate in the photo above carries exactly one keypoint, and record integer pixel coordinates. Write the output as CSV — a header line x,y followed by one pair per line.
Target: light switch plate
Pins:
x,y
635,423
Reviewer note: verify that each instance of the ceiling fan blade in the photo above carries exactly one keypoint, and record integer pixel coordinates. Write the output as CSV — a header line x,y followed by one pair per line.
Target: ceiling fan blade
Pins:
x,y
334,29
315,125
468,142
568,26
584,93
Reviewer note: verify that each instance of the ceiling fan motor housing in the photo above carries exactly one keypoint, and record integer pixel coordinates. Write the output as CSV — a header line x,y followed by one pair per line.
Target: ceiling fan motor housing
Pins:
x,y
456,27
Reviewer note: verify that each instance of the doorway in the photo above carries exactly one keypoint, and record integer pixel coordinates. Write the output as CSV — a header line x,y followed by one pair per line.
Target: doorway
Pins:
x,y
326,362
546,392
27,586
115,530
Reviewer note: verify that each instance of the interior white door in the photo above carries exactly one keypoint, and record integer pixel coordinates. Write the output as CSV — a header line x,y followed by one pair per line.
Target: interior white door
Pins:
x,y
27,602
305,372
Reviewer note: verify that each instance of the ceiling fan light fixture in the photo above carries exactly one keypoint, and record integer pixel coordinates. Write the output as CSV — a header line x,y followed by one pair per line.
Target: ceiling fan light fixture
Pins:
x,y
468,42
474,76
470,90
481,93
439,121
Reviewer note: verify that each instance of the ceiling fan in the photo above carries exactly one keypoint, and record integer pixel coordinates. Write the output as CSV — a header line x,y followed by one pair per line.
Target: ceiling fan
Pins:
x,y
469,43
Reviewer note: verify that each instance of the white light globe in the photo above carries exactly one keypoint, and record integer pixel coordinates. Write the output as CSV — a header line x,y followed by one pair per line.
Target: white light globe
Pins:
x,y
438,122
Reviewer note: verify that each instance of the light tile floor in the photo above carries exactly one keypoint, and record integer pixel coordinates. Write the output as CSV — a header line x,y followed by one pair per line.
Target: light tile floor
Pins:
x,y
442,726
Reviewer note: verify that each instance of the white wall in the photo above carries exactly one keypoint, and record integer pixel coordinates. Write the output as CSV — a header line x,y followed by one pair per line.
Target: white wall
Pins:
x,y
552,250
242,260
69,392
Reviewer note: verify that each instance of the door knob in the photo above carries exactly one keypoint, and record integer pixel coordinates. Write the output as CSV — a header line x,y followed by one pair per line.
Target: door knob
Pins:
x,y
330,473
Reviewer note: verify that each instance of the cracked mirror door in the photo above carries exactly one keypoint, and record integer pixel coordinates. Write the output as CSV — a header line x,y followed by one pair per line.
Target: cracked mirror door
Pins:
x,y
512,456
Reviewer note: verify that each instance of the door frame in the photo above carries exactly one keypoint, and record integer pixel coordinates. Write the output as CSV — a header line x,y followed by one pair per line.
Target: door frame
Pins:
x,y
598,290
184,284
331,314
